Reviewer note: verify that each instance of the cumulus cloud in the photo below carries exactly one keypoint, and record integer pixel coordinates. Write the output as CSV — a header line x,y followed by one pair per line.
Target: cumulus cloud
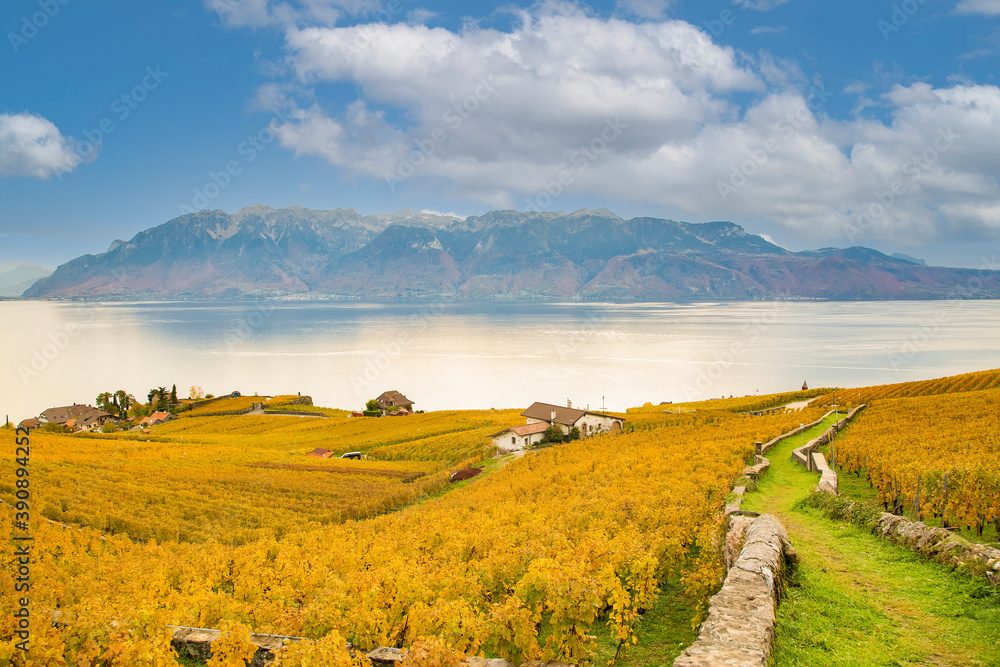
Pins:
x,y
261,13
32,146
644,9
759,5
570,102
988,7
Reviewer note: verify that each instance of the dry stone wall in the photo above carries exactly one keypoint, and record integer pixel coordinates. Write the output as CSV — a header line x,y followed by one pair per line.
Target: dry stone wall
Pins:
x,y
941,545
741,619
197,643
828,476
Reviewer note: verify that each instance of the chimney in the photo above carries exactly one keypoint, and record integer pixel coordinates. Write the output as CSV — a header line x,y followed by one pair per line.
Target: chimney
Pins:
x,y
553,418
569,403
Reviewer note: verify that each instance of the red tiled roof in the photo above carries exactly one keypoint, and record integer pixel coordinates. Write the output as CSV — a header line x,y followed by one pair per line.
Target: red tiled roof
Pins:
x,y
530,429
543,411
523,429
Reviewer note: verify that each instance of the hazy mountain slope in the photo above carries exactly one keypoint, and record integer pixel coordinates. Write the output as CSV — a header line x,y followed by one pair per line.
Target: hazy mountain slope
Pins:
x,y
260,251
16,277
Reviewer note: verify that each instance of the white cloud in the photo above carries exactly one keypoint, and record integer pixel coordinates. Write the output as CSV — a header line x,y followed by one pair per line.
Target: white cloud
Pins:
x,y
759,5
644,9
420,16
261,13
508,118
988,7
769,30
32,146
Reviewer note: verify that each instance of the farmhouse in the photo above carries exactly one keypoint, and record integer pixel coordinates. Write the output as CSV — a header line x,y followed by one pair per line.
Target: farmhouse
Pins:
x,y
393,401
519,437
157,418
568,417
81,416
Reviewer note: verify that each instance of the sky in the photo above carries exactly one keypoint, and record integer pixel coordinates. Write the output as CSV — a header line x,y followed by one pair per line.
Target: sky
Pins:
x,y
816,124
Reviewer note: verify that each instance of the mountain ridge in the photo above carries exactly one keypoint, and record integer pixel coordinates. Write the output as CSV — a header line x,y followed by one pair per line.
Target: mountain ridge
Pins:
x,y
296,252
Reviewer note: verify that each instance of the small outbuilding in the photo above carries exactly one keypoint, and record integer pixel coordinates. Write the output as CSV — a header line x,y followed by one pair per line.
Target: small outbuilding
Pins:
x,y
321,453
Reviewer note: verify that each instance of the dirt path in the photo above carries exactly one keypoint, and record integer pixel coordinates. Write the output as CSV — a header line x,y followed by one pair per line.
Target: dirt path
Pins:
x,y
858,600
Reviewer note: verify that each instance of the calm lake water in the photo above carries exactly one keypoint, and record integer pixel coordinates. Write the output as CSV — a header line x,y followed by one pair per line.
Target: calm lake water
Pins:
x,y
481,356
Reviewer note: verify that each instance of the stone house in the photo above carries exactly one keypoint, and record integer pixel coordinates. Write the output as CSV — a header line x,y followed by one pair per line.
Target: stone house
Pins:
x,y
393,401
567,417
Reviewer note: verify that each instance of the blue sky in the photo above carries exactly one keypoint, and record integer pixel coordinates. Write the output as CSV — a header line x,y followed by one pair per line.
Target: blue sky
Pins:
x,y
816,123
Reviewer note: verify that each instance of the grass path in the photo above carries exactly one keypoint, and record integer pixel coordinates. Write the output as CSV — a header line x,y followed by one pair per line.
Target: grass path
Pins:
x,y
859,600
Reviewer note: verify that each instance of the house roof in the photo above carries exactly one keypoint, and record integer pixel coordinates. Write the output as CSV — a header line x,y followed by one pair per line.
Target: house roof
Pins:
x,y
156,417
530,429
523,429
33,422
319,451
543,411
393,397
61,415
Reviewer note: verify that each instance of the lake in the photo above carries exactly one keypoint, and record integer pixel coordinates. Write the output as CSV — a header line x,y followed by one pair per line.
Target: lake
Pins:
x,y
462,355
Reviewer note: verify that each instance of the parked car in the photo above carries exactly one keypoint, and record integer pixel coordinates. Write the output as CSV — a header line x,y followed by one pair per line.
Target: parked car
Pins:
x,y
351,455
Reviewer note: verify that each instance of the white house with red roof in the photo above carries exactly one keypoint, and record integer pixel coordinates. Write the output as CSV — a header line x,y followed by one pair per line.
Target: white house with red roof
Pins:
x,y
541,416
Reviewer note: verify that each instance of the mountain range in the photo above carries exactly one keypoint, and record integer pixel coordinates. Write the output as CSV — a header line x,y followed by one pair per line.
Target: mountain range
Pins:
x,y
15,277
293,252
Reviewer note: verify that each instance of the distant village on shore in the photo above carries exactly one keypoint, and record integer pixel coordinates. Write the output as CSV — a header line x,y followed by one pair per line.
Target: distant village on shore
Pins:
x,y
119,411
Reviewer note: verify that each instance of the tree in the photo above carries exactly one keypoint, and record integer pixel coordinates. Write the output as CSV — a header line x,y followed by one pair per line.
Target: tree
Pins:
x,y
553,434
173,395
574,434
158,398
124,402
371,405
196,392
104,402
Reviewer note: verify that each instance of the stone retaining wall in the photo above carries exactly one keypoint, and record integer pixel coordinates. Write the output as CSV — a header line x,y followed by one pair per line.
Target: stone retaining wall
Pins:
x,y
197,643
741,619
794,431
941,545
803,455
937,543
828,476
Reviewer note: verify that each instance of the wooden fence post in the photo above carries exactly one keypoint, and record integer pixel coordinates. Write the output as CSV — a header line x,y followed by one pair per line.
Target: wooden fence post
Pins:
x,y
944,507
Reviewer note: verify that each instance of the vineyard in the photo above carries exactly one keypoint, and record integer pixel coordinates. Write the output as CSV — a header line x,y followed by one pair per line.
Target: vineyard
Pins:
x,y
739,404
946,385
236,479
527,562
939,458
